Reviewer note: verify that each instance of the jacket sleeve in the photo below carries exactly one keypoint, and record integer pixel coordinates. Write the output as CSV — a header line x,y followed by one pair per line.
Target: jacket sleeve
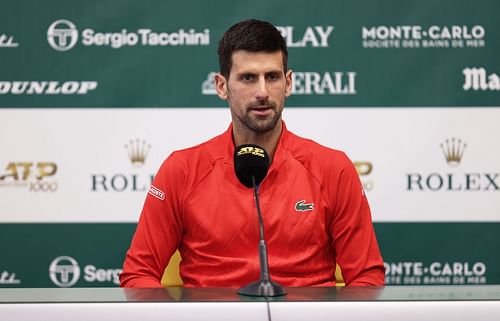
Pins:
x,y
159,230
353,236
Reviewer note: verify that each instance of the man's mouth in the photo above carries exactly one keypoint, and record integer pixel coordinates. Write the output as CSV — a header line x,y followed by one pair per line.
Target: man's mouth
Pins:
x,y
261,110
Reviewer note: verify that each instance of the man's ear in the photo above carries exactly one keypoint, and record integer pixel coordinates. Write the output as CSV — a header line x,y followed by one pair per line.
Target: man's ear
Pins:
x,y
288,79
221,86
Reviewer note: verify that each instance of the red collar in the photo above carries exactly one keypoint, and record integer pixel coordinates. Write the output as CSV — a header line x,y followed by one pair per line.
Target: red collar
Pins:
x,y
280,154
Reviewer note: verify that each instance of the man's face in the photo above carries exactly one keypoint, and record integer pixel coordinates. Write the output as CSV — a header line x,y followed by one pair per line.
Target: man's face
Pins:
x,y
256,89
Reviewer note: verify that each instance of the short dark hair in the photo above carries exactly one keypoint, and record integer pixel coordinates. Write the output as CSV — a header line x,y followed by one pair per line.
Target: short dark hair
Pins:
x,y
250,35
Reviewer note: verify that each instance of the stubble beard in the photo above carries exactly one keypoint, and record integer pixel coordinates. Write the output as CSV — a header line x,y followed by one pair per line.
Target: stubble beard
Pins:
x,y
260,125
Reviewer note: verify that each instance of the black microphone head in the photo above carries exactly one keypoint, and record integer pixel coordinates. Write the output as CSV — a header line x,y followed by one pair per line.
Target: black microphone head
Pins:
x,y
250,160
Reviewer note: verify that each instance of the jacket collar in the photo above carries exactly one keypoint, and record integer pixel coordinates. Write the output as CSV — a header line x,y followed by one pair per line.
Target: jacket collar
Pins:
x,y
280,155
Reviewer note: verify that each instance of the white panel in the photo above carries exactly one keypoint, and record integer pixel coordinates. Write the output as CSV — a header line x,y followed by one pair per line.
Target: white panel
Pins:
x,y
402,141
395,141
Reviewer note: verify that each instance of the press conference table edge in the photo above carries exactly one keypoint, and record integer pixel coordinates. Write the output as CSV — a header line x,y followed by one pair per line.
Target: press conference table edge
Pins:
x,y
312,303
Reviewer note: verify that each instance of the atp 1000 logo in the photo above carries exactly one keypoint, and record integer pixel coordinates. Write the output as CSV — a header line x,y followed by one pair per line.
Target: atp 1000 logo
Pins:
x,y
35,176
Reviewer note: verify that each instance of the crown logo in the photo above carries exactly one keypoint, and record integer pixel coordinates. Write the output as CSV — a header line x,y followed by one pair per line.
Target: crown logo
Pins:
x,y
137,151
453,150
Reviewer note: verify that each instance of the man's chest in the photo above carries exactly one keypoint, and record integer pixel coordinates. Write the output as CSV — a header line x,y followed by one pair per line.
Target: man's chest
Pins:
x,y
222,212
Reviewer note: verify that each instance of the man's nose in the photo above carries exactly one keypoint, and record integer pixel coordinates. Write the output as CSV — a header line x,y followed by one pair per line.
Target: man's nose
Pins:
x,y
262,92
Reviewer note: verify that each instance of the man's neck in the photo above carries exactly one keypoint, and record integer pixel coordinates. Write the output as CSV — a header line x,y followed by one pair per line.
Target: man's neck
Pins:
x,y
268,140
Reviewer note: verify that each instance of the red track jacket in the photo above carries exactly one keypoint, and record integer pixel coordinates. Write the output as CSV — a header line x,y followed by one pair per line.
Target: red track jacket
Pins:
x,y
314,210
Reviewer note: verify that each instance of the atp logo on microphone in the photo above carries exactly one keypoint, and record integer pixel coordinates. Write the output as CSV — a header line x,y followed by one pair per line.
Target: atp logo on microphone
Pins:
x,y
251,163
251,150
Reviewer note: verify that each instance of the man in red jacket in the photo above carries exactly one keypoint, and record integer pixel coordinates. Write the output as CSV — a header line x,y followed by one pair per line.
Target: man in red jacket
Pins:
x,y
315,212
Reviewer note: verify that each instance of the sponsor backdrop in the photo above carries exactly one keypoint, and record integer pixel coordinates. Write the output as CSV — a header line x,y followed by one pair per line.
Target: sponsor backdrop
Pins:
x,y
94,95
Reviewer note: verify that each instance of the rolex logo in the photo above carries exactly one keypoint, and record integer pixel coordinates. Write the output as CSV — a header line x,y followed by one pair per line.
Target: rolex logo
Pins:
x,y
453,150
137,151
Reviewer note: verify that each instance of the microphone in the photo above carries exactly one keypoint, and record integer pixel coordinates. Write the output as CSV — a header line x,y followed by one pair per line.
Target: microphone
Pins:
x,y
251,163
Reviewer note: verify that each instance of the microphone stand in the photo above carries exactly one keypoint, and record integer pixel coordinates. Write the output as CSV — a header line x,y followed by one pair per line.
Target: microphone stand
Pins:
x,y
263,287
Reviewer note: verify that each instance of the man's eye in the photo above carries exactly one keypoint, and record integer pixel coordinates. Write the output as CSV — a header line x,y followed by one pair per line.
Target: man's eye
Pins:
x,y
273,77
247,77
